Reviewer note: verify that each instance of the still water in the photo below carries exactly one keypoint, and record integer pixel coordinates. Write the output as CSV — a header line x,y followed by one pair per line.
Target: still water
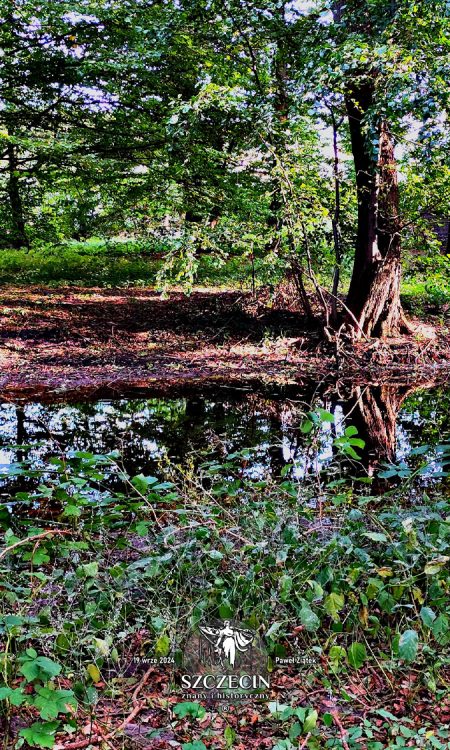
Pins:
x,y
147,431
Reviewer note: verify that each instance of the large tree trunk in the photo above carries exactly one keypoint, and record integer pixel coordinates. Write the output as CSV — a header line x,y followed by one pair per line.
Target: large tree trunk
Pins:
x,y
374,293
18,233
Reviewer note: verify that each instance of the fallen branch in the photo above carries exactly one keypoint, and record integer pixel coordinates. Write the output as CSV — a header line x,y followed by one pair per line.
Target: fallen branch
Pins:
x,y
343,731
136,710
79,744
305,741
140,685
95,739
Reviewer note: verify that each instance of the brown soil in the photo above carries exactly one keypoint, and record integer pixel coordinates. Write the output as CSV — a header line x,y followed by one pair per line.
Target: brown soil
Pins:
x,y
57,341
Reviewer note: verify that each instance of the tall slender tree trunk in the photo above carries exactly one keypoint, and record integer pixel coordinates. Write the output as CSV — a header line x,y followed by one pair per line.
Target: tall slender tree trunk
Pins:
x,y
281,110
358,101
18,233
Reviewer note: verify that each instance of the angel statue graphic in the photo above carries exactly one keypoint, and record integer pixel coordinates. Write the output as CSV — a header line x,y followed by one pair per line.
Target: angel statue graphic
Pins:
x,y
227,640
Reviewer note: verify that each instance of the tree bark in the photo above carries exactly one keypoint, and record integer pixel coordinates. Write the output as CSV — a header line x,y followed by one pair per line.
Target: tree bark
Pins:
x,y
18,233
358,101
374,293
335,221
381,313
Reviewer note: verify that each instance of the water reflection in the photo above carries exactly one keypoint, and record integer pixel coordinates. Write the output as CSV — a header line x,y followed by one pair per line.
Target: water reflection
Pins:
x,y
391,420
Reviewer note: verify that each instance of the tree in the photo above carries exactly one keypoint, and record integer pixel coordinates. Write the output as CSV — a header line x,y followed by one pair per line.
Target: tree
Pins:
x,y
222,126
365,35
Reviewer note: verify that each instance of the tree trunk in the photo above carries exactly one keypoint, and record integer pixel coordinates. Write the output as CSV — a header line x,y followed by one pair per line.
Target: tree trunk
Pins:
x,y
335,221
374,293
358,101
277,138
18,233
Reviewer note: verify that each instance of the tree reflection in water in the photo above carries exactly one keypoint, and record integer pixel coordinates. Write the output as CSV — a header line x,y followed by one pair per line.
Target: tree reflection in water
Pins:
x,y
391,419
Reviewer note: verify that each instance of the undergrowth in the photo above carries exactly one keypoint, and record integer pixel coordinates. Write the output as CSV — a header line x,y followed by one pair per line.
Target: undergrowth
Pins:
x,y
96,581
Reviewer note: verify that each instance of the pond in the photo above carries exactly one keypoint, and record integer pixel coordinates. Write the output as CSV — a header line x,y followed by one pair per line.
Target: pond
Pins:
x,y
147,432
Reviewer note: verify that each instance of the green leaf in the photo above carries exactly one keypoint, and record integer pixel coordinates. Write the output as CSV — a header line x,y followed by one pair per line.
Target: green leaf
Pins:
x,y
375,536
325,416
53,702
93,672
280,709
434,566
143,484
162,647
441,629
15,696
103,645
407,645
196,710
89,570
333,604
308,618
310,722
40,735
427,616
357,655
229,736
72,511
295,730
39,668
336,655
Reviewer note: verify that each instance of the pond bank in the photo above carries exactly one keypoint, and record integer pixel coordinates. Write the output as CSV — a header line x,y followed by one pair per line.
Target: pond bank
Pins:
x,y
101,341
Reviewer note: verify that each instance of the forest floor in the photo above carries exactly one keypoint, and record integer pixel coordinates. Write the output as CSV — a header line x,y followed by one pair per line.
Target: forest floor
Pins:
x,y
101,340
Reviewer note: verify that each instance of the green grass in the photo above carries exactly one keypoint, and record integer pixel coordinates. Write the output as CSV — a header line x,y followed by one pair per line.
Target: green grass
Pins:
x,y
120,262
